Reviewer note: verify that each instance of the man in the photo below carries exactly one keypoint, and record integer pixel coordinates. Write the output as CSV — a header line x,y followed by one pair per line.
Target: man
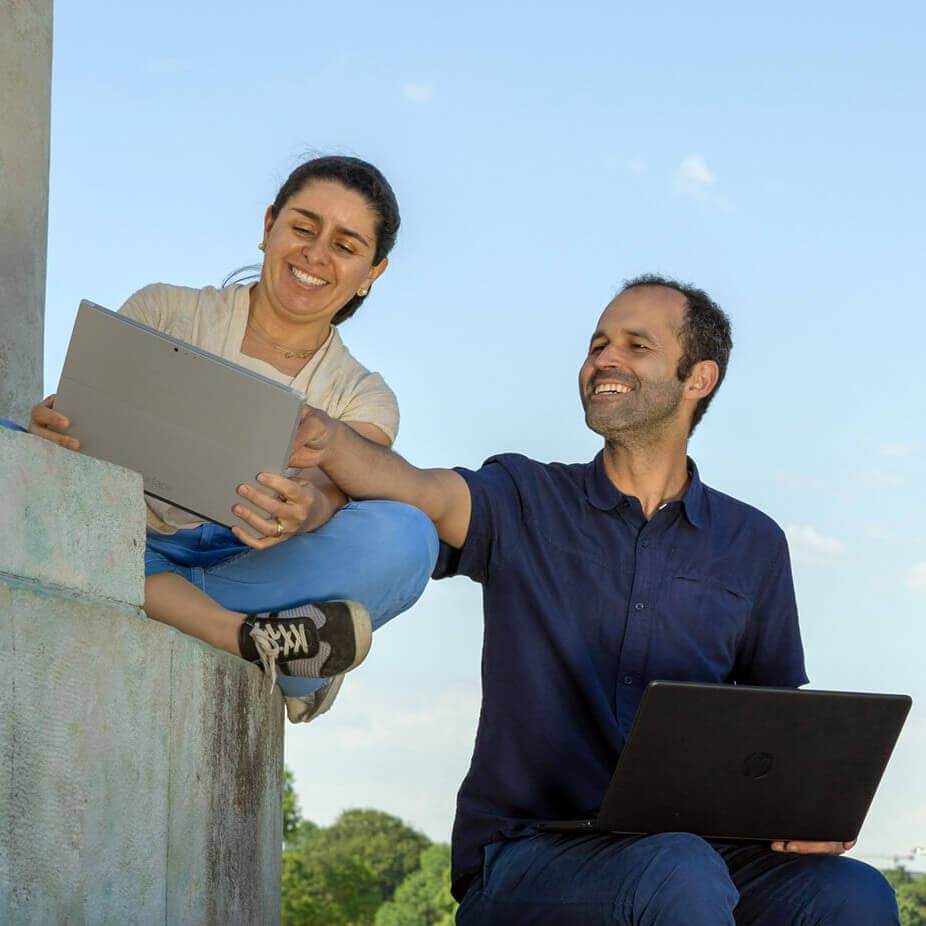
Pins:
x,y
598,578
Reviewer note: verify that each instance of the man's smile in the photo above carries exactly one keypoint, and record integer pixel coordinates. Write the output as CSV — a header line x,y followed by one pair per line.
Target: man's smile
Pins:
x,y
603,388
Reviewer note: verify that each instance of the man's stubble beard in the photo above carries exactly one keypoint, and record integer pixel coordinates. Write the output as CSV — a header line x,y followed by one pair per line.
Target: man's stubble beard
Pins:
x,y
644,420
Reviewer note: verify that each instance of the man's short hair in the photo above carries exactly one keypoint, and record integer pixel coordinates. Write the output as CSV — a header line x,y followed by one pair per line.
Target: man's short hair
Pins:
x,y
704,335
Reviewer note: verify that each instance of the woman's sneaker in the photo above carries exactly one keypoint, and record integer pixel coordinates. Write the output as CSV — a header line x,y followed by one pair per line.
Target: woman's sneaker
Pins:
x,y
307,707
313,641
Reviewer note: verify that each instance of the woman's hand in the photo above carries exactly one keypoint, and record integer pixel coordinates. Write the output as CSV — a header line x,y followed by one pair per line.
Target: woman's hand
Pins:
x,y
51,425
291,506
303,503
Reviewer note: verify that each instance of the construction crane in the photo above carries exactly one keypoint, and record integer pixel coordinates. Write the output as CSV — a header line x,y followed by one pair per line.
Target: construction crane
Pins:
x,y
898,857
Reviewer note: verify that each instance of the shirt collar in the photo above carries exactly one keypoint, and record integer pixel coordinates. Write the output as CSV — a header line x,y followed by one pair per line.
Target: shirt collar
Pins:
x,y
604,495
600,491
694,501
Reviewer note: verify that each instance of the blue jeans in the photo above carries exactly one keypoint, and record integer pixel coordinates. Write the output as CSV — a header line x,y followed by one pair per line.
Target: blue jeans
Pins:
x,y
376,552
671,879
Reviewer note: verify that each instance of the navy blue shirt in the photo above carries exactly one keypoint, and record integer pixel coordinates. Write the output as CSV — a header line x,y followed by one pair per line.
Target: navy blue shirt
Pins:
x,y
585,603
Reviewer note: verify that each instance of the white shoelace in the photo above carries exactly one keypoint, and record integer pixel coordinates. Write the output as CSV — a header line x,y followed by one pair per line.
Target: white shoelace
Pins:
x,y
273,644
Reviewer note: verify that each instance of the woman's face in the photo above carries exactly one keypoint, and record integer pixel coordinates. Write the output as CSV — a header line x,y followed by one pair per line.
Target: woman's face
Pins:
x,y
319,251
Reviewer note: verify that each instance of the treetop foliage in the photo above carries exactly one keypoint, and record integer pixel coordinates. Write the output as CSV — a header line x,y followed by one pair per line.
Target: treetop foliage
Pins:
x,y
366,865
911,895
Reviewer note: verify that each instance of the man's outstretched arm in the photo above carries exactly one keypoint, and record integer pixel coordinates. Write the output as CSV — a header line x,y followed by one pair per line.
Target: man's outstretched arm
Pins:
x,y
363,469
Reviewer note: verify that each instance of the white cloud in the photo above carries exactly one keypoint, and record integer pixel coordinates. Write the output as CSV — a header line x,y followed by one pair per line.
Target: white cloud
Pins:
x,y
380,747
897,450
916,577
448,715
694,174
365,720
883,479
418,93
694,178
809,545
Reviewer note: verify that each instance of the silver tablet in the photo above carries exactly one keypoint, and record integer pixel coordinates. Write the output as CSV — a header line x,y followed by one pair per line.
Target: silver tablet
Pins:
x,y
194,425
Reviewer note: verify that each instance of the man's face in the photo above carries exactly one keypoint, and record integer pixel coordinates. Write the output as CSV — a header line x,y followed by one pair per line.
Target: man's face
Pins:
x,y
628,382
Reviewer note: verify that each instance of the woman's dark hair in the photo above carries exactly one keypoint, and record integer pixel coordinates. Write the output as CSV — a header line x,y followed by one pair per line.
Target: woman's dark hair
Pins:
x,y
361,178
353,174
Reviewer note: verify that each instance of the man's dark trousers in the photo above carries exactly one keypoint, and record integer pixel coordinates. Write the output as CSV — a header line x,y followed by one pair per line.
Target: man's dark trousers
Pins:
x,y
672,879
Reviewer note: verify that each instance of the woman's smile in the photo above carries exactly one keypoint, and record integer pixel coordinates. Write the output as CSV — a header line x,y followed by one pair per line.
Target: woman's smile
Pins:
x,y
308,279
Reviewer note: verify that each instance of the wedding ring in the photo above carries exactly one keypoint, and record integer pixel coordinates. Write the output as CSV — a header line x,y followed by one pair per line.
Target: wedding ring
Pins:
x,y
279,527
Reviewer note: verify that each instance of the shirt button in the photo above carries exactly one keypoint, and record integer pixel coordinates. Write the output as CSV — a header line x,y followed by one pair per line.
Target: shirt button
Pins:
x,y
639,606
645,543
628,680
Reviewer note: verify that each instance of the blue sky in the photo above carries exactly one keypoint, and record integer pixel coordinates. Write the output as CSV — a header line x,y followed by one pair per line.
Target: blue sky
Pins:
x,y
541,155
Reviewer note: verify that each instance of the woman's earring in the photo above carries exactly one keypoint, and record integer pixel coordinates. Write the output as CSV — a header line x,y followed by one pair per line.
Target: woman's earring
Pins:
x,y
363,291
260,247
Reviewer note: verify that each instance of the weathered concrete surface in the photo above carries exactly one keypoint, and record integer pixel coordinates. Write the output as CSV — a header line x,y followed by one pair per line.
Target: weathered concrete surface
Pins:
x,y
229,871
70,521
142,770
85,711
25,99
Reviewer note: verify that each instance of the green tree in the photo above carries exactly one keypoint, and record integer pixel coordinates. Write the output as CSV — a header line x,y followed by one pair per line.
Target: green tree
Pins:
x,y
340,875
300,840
423,898
292,814
389,848
911,895
319,890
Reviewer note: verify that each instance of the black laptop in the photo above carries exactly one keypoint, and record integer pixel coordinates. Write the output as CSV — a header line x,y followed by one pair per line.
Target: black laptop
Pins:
x,y
736,762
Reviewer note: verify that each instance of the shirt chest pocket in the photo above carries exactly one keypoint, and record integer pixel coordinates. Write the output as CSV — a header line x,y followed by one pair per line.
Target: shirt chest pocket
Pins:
x,y
701,620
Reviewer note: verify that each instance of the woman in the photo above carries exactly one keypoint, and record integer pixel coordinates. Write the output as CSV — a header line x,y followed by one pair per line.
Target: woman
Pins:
x,y
302,589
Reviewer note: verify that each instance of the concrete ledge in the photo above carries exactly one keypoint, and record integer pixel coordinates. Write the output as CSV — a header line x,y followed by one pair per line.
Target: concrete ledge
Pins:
x,y
142,774
225,818
70,521
85,794
142,770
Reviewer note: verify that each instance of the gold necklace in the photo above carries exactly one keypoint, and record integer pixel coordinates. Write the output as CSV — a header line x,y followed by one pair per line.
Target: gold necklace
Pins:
x,y
287,352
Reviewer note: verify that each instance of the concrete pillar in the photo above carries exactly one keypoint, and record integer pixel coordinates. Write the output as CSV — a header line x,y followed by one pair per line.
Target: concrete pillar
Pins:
x,y
25,101
142,770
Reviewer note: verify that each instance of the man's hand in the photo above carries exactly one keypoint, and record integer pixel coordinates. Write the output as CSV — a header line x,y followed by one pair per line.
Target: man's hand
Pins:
x,y
811,848
362,467
313,438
